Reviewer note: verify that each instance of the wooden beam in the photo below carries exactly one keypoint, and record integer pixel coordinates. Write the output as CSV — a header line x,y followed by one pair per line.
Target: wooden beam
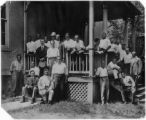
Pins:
x,y
91,26
105,18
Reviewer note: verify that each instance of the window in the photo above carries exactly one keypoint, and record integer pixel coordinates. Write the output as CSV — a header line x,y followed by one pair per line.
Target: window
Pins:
x,y
3,24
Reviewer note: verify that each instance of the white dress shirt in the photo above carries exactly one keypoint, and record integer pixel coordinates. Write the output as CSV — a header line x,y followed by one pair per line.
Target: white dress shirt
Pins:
x,y
69,43
15,65
112,66
127,58
44,81
113,48
104,43
36,70
79,45
59,68
31,47
48,44
102,72
37,44
128,81
52,52
122,54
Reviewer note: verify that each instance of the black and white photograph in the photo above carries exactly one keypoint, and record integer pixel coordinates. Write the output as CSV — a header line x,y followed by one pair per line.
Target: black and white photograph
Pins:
x,y
73,59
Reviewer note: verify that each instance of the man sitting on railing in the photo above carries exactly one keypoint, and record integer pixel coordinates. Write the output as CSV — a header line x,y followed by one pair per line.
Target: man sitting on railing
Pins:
x,y
30,46
104,44
69,43
37,41
30,87
35,69
79,45
53,39
114,69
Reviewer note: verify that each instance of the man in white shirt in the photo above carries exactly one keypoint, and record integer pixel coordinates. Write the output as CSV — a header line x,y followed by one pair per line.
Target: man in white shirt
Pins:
x,y
128,84
104,81
105,43
79,44
53,39
59,74
122,54
135,65
35,69
37,41
69,44
46,86
30,46
127,61
52,54
114,69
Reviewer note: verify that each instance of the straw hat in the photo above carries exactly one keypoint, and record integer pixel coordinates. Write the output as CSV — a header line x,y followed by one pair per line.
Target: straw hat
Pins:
x,y
53,34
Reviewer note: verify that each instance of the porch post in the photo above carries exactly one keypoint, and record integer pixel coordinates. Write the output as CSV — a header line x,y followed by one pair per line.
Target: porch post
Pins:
x,y
25,23
105,20
91,23
126,32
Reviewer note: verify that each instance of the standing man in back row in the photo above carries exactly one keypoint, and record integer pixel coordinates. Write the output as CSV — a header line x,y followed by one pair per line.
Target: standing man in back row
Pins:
x,y
41,54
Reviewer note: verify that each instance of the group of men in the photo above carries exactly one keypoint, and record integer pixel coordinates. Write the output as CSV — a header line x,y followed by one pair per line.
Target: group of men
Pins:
x,y
46,85
48,75
124,67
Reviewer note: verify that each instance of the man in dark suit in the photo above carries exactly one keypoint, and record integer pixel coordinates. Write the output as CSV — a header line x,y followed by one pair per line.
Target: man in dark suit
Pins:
x,y
41,54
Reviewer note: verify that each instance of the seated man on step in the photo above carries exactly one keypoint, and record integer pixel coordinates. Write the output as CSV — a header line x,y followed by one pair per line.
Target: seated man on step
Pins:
x,y
30,87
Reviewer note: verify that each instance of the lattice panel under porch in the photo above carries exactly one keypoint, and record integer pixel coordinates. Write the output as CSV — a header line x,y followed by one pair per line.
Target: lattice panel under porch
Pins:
x,y
77,91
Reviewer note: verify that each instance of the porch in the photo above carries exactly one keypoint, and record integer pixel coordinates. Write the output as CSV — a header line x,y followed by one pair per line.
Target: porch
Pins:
x,y
80,68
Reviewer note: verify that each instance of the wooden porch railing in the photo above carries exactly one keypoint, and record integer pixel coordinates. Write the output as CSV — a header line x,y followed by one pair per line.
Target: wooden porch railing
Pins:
x,y
78,64
28,59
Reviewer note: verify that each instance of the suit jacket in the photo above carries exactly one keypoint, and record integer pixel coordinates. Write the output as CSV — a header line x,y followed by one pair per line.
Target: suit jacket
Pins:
x,y
41,53
32,81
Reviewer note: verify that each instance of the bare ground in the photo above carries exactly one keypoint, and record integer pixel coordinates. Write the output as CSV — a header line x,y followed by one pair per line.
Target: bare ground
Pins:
x,y
76,110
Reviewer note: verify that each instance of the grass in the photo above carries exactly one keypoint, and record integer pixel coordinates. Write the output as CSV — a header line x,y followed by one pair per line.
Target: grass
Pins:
x,y
116,110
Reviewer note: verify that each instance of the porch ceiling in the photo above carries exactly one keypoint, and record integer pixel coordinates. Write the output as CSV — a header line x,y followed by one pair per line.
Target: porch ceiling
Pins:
x,y
116,9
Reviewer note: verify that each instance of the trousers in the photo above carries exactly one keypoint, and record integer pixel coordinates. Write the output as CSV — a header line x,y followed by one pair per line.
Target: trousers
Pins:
x,y
104,87
32,90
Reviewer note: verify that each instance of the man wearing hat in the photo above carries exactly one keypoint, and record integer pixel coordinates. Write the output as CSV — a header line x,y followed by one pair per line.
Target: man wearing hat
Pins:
x,y
53,38
59,73
52,54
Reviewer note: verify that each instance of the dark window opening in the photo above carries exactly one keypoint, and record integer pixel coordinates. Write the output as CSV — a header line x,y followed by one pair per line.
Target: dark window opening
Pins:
x,y
3,24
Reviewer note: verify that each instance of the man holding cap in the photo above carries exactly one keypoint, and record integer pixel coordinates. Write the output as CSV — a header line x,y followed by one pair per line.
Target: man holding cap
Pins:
x,y
59,74
41,54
